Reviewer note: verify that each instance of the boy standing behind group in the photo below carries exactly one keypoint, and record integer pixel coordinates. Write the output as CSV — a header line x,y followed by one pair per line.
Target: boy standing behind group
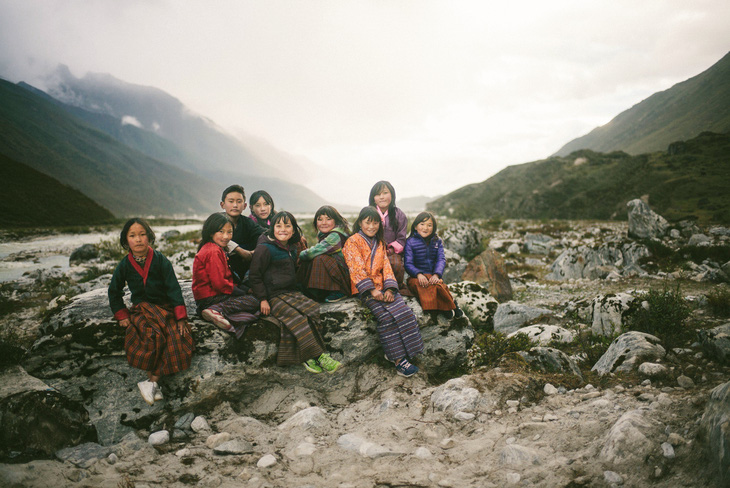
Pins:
x,y
245,231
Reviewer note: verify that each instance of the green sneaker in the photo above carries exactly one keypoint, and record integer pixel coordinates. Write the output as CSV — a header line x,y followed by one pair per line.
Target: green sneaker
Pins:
x,y
312,366
328,363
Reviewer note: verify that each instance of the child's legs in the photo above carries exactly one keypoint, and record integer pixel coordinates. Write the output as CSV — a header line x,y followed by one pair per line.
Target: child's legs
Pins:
x,y
299,340
238,309
396,263
408,329
388,332
443,298
329,274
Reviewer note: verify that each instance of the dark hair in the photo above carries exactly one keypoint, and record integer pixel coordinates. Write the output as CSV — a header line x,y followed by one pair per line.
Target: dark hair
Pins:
x,y
287,218
377,188
267,198
422,217
332,213
369,213
125,230
231,189
213,224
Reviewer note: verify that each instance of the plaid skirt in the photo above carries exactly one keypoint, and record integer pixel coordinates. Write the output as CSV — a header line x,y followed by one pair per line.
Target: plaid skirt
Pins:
x,y
432,297
298,319
325,272
397,328
239,310
153,343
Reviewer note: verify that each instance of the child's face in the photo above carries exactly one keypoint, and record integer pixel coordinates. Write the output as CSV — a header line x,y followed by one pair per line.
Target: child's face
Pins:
x,y
283,231
137,240
261,209
370,227
223,236
325,223
383,199
234,204
425,228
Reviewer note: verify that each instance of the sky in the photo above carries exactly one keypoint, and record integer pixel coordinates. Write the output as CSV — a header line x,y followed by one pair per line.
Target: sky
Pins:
x,y
431,95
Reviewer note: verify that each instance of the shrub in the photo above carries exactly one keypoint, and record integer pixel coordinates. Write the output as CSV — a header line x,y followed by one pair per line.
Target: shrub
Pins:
x,y
662,315
488,348
718,300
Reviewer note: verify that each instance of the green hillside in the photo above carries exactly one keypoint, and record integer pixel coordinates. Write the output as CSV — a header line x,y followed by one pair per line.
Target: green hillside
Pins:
x,y
31,198
689,180
699,104
39,133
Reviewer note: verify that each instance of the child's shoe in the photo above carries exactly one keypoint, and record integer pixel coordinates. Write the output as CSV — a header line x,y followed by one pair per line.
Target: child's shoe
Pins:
x,y
458,313
147,389
217,319
335,296
158,393
404,368
312,366
328,363
449,314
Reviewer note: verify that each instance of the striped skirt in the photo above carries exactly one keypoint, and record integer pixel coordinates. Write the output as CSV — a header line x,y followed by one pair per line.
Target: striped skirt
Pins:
x,y
239,311
432,297
153,343
396,264
325,272
298,318
397,328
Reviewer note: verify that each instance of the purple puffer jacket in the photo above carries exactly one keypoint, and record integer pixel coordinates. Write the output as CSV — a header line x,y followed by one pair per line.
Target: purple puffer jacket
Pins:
x,y
420,257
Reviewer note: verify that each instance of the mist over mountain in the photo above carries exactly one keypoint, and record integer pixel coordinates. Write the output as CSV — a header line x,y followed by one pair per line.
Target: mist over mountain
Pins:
x,y
701,103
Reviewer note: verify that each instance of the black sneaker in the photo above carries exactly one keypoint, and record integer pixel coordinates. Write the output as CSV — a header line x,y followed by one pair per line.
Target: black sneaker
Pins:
x,y
458,313
404,368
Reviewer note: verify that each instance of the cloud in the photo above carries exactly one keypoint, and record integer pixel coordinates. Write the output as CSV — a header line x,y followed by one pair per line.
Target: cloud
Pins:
x,y
131,120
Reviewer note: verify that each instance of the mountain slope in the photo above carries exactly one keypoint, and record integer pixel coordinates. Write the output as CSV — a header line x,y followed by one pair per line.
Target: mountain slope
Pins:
x,y
31,198
701,103
690,180
38,133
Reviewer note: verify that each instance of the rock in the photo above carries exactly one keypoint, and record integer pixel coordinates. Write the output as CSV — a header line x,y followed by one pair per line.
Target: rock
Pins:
x,y
714,431
608,312
716,342
511,316
544,334
513,248
266,461
84,455
245,427
516,455
36,418
463,238
643,222
652,370
112,459
199,424
538,243
185,421
629,440
352,442
667,450
87,252
233,447
158,438
551,360
476,301
304,449
455,396
488,269
612,477
685,382
216,440
171,234
313,419
422,453
593,264
698,240
627,351
550,389
455,266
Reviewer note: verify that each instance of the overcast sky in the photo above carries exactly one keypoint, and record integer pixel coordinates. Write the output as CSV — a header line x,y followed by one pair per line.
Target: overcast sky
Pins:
x,y
432,95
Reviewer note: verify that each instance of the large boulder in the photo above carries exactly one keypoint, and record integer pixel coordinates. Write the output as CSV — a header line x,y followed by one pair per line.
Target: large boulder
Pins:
x,y
512,316
551,360
715,432
81,355
716,342
608,313
586,262
631,438
455,266
477,303
488,269
544,334
644,223
628,351
462,237
84,253
538,243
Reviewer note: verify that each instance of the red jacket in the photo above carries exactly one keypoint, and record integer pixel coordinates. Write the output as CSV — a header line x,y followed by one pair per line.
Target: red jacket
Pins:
x,y
211,274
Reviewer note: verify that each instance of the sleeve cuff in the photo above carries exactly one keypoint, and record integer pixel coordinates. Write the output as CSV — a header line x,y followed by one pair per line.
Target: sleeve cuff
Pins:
x,y
397,247
365,285
389,283
121,314
181,312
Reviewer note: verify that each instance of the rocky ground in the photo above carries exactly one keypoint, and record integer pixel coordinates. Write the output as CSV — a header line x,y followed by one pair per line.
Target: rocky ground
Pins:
x,y
636,411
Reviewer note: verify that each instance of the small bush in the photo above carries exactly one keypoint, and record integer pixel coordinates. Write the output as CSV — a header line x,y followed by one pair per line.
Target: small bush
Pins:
x,y
488,348
590,346
719,301
663,316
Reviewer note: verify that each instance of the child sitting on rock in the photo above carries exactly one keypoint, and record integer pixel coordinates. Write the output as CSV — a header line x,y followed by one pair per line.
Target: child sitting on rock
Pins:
x,y
425,262
219,300
157,338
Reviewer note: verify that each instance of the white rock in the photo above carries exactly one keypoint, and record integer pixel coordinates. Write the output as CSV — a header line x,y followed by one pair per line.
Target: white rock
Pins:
x,y
216,439
158,438
312,418
513,478
183,452
667,450
516,455
112,458
652,369
304,449
543,334
464,416
422,453
235,446
550,389
455,396
612,477
199,424
266,461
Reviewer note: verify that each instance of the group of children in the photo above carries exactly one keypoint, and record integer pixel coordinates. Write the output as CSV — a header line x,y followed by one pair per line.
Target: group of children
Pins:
x,y
262,267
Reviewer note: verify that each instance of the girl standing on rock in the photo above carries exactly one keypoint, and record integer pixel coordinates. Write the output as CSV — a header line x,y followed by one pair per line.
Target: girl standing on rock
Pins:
x,y
395,226
274,282
158,338
372,279
323,270
219,300
425,261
